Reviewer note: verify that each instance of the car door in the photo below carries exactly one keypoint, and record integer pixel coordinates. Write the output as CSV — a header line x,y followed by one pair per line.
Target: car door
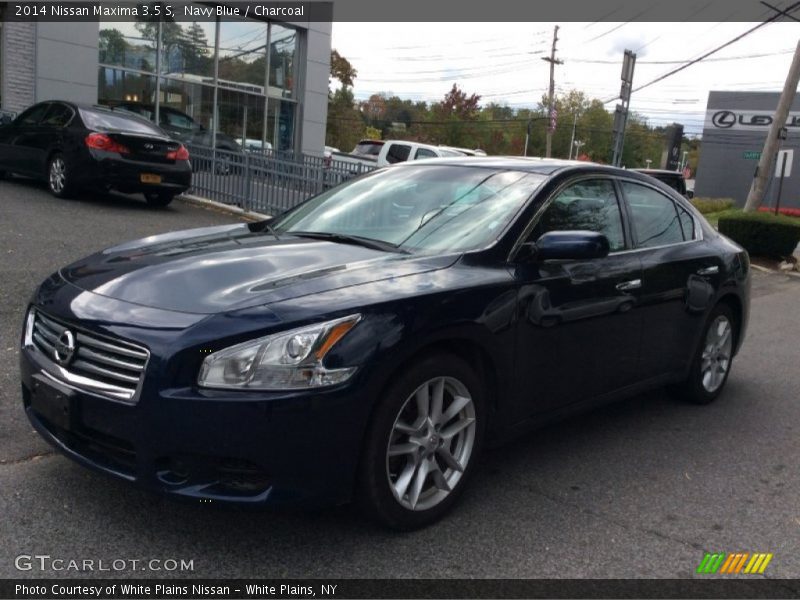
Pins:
x,y
16,141
579,323
49,134
680,276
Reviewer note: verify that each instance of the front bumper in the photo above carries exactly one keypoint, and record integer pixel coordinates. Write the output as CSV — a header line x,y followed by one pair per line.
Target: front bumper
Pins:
x,y
299,448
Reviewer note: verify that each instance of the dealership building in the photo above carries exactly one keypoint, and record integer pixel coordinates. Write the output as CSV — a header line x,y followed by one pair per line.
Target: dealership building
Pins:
x,y
734,133
254,80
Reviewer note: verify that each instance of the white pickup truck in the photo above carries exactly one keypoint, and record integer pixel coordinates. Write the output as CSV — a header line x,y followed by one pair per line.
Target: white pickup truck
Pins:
x,y
380,153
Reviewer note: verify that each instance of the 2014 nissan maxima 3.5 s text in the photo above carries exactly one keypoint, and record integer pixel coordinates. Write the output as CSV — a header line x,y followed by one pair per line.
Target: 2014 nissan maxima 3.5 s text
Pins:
x,y
368,343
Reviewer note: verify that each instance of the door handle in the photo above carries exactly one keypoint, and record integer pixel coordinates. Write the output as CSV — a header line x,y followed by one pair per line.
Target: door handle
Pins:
x,y
633,284
708,270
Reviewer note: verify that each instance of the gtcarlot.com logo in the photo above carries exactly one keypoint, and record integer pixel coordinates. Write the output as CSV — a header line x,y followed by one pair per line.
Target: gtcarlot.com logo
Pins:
x,y
45,562
736,563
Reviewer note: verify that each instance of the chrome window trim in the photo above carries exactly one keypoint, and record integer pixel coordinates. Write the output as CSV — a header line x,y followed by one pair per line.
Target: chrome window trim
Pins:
x,y
77,382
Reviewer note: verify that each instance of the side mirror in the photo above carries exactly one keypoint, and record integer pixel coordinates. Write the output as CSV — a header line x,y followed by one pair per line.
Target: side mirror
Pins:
x,y
574,245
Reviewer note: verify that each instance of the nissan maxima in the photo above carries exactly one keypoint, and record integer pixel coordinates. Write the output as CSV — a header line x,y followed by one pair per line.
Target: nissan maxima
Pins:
x,y
73,147
368,343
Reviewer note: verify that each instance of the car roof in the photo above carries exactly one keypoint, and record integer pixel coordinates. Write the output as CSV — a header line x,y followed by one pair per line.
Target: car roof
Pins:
x,y
659,172
545,166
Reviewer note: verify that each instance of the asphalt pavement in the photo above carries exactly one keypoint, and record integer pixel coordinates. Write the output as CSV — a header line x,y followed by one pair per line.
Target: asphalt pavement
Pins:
x,y
641,488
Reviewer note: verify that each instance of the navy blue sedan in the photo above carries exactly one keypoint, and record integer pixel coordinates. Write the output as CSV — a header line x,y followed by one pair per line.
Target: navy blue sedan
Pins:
x,y
368,343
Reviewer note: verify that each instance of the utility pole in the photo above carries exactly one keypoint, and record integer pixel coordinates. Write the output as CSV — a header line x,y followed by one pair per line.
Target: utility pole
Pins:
x,y
768,155
621,111
550,98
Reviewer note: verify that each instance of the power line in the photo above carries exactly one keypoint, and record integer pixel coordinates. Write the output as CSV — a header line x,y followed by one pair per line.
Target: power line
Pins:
x,y
713,51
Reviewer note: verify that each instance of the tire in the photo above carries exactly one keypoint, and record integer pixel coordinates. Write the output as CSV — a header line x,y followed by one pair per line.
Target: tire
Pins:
x,y
429,465
58,178
158,199
711,364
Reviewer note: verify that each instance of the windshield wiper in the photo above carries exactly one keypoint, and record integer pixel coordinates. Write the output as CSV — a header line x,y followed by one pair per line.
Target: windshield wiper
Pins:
x,y
264,226
350,239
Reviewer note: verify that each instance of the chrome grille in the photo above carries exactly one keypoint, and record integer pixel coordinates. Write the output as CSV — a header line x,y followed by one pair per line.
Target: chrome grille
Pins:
x,y
98,364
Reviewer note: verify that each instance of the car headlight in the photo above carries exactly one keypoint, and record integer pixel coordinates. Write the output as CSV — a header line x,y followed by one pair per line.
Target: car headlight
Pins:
x,y
289,360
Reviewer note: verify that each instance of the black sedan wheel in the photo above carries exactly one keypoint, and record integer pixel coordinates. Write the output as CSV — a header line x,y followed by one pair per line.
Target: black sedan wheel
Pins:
x,y
58,178
423,443
712,362
158,198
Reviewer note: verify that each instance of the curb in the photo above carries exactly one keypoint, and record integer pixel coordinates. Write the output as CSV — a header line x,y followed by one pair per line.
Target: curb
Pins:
x,y
774,271
221,207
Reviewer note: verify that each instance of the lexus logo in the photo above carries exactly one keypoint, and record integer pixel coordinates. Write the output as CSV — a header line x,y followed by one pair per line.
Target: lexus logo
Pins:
x,y
64,348
724,119
148,146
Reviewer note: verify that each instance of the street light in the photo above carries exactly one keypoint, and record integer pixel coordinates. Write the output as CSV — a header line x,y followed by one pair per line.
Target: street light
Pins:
x,y
648,161
578,145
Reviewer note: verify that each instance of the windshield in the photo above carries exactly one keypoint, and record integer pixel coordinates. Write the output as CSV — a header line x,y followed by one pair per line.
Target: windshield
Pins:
x,y
368,148
431,208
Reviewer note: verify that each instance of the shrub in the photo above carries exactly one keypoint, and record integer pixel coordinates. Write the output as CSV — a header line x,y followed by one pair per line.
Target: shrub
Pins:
x,y
762,234
712,205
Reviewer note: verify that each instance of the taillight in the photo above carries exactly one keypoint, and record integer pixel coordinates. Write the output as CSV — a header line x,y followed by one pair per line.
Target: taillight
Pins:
x,y
180,154
100,141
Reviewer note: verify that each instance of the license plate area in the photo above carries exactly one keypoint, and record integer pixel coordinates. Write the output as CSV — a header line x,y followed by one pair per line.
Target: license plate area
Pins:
x,y
149,178
55,403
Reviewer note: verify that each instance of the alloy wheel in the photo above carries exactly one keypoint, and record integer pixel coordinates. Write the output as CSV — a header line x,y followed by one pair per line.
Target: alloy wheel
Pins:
x,y
431,443
716,357
58,175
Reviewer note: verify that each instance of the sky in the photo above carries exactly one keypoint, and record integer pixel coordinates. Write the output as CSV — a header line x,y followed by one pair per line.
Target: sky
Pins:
x,y
502,63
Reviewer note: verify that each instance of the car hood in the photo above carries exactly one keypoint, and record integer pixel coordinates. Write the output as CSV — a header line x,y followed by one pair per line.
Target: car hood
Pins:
x,y
219,269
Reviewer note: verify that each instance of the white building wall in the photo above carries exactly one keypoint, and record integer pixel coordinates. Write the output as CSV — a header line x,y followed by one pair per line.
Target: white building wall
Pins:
x,y
66,61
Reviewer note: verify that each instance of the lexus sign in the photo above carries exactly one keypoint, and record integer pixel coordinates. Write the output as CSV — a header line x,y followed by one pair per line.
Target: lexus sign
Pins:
x,y
746,120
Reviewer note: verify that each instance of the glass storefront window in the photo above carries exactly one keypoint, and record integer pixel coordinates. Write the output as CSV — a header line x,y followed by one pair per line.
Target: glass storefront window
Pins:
x,y
187,51
282,57
119,85
280,124
131,45
193,100
243,55
256,75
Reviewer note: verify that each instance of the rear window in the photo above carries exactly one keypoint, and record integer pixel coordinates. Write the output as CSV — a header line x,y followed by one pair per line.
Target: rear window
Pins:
x,y
368,148
95,119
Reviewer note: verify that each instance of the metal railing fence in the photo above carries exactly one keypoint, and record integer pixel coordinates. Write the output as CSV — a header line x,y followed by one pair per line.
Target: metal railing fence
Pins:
x,y
267,181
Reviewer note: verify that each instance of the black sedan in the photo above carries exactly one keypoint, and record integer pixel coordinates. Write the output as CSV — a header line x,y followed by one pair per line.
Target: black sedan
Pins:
x,y
368,343
74,146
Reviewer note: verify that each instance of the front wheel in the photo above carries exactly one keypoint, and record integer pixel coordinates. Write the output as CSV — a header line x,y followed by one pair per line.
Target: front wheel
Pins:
x,y
59,180
423,443
711,364
158,199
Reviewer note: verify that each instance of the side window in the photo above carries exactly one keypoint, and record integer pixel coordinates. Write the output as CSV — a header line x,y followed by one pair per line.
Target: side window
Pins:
x,y
397,153
654,216
58,115
687,224
32,116
424,153
589,205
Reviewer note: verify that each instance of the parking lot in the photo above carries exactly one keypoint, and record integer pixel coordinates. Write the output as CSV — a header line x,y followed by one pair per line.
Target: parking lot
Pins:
x,y
638,489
